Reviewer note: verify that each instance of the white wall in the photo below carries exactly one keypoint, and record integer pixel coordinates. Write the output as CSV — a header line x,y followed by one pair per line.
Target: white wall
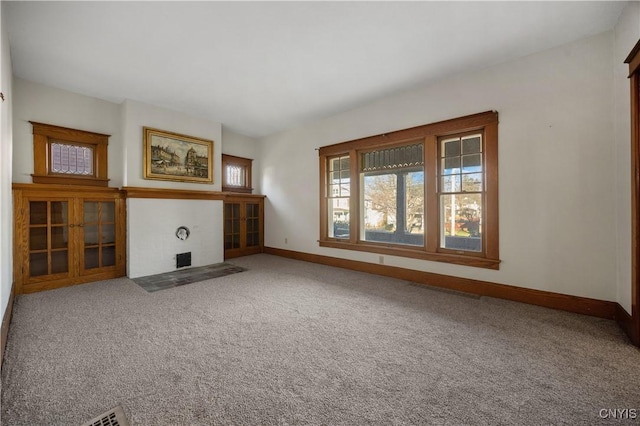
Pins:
x,y
243,146
557,207
627,34
45,104
136,115
6,204
151,225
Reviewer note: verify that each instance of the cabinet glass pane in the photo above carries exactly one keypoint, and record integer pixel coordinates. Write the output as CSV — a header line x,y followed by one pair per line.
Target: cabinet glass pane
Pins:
x,y
38,264
108,211
38,213
108,234
252,239
59,237
58,212
108,256
59,262
90,235
91,258
90,212
38,238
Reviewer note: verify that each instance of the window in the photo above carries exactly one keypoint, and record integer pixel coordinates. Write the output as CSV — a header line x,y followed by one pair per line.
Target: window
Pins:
x,y
69,156
429,192
236,174
338,196
392,204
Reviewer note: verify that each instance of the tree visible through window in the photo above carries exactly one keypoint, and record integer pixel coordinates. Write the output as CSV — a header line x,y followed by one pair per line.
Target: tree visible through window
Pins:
x,y
393,195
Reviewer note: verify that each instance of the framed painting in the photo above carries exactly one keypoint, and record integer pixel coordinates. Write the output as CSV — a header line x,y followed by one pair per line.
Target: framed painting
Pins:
x,y
176,157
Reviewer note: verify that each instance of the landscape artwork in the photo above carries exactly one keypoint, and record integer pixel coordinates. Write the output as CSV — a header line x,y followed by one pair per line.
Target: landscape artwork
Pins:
x,y
176,157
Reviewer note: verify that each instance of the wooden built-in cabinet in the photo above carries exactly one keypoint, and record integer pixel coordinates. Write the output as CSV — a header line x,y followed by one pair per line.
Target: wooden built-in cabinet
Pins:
x,y
243,225
67,235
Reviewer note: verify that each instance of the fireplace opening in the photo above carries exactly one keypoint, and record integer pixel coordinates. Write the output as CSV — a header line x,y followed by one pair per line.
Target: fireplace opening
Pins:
x,y
183,259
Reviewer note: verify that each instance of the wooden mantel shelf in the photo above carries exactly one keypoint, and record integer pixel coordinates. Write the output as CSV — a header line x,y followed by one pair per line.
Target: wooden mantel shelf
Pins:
x,y
181,194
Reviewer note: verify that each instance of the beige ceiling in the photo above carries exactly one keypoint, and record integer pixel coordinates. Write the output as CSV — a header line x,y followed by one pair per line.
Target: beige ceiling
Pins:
x,y
261,67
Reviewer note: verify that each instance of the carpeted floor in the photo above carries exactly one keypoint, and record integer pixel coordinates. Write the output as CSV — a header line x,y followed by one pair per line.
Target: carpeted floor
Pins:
x,y
289,342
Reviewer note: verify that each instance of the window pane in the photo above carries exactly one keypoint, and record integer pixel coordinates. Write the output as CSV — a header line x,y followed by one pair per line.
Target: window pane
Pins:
x,y
393,207
338,192
451,165
472,182
451,183
451,148
380,198
471,145
338,215
414,205
71,159
235,175
471,163
461,222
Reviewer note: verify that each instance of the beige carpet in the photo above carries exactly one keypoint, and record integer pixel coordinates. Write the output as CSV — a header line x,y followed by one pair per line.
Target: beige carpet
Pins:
x,y
289,342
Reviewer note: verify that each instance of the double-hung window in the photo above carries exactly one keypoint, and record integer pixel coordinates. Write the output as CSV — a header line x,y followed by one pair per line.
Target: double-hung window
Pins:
x,y
429,192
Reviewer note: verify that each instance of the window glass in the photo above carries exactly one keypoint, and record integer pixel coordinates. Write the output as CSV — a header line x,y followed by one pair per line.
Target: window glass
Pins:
x,y
461,206
338,195
392,195
71,159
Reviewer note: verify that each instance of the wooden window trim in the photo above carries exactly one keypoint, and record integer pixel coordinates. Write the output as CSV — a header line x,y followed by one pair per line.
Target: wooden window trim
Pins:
x,y
486,122
633,326
246,164
45,134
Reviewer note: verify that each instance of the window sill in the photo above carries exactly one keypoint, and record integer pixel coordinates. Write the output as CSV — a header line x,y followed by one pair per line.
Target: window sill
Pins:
x,y
70,180
466,260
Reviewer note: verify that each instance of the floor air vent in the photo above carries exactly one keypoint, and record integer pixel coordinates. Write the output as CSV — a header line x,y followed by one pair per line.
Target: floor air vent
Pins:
x,y
113,417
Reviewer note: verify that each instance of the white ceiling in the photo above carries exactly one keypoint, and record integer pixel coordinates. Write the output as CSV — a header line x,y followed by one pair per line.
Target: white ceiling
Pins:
x,y
261,67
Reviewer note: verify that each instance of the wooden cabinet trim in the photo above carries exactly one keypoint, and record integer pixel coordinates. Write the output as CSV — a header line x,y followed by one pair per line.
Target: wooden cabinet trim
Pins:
x,y
74,196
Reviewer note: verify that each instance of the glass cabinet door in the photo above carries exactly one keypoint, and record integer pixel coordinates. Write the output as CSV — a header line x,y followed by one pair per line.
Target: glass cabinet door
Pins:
x,y
98,234
253,224
48,238
231,226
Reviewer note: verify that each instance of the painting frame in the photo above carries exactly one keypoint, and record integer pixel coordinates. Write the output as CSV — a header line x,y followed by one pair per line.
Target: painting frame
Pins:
x,y
176,157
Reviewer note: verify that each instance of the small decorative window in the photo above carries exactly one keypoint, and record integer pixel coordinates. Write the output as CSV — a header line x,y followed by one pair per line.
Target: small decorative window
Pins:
x,y
236,174
69,156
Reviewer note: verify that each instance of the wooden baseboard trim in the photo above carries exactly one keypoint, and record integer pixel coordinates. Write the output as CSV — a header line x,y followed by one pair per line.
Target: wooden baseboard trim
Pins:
x,y
6,320
625,321
547,299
